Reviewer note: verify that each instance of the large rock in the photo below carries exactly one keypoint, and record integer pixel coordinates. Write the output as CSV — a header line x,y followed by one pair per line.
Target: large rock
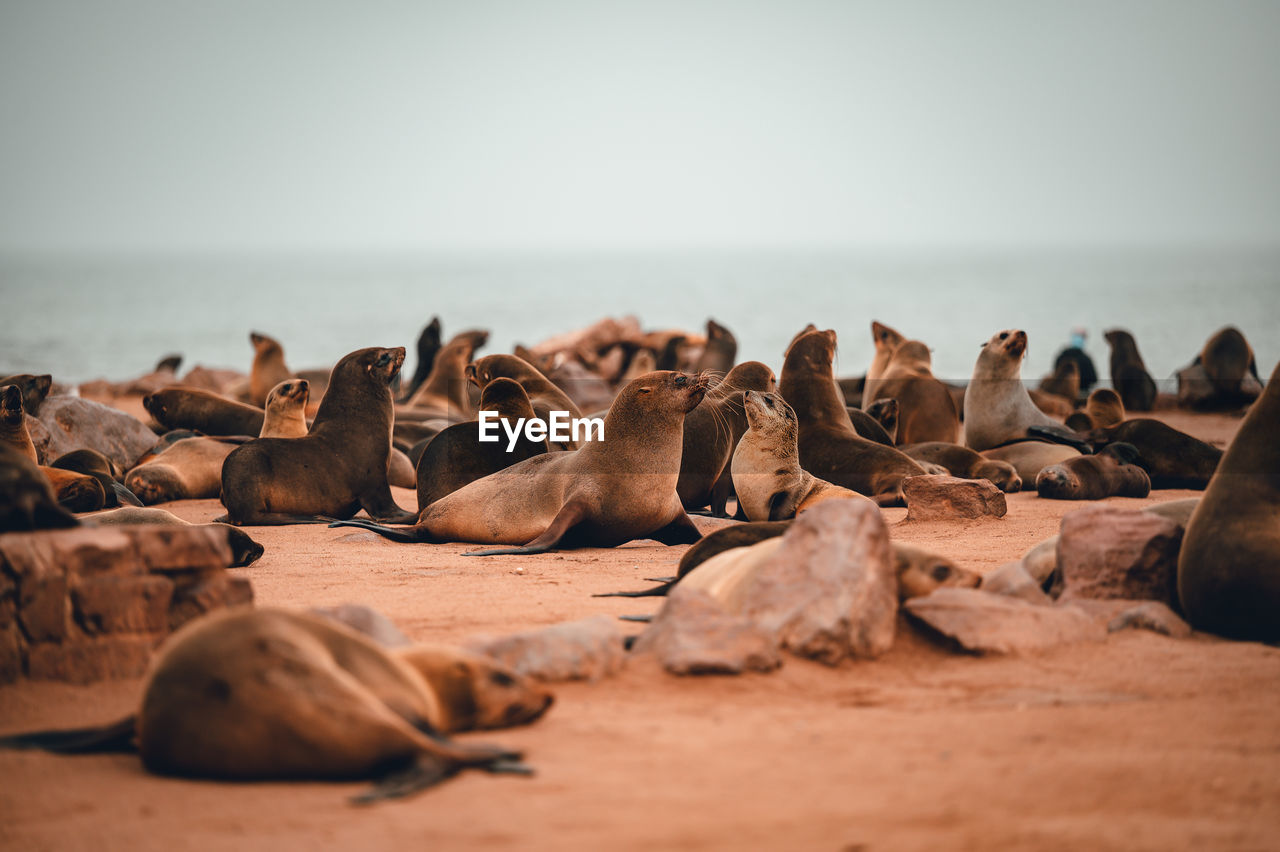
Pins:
x,y
77,424
935,498
1013,580
588,649
366,620
1153,616
88,603
1106,552
693,634
828,592
983,623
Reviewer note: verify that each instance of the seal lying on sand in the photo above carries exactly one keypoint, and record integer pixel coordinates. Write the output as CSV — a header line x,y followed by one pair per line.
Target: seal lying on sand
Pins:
x,y
244,550
607,493
1113,472
248,694
1229,566
339,467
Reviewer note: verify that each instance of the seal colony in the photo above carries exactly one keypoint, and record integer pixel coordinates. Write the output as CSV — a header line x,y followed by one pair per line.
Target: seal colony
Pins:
x,y
251,694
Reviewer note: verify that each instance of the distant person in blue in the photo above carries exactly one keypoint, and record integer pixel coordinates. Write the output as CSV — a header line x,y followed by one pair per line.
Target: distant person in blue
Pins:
x,y
1075,352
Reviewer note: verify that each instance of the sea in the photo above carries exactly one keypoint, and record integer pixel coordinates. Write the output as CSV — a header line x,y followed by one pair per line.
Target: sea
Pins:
x,y
83,318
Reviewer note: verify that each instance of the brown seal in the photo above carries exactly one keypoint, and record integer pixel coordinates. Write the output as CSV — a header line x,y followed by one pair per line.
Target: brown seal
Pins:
x,y
34,389
190,469
883,413
73,491
711,432
767,477
607,493
245,551
457,457
544,395
965,463
926,411
95,464
27,501
444,391
1030,457
248,694
1229,566
721,351
338,468
429,343
286,415
13,423
203,411
268,368
1104,408
886,341
997,407
830,449
1173,459
1129,375
1223,376
1113,472
1064,381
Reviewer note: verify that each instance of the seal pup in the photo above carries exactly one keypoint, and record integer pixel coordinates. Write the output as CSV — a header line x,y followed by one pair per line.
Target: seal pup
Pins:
x,y
1229,565
886,341
721,351
997,407
965,463
457,457
338,468
711,432
27,501
268,368
544,395
285,415
203,411
830,449
926,410
767,477
607,493
253,694
95,464
245,551
1113,472
1129,375
191,469
1172,458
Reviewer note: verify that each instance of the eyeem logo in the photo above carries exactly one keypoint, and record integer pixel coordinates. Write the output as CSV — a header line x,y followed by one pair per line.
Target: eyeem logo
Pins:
x,y
561,427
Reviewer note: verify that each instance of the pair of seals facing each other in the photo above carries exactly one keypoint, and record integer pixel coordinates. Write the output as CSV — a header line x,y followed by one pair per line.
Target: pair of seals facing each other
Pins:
x,y
248,694
830,448
607,493
1229,565
339,467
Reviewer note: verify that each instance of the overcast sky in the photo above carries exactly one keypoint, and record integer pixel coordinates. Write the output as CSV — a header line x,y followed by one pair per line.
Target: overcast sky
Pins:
x,y
143,125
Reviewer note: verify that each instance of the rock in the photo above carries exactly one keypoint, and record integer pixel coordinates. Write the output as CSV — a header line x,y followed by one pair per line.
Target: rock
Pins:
x,y
92,659
693,634
984,623
932,498
589,649
1105,552
1041,562
366,620
1153,616
1013,580
76,424
1178,511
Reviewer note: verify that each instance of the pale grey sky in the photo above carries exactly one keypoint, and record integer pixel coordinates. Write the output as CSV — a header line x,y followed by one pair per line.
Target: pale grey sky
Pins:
x,y
248,125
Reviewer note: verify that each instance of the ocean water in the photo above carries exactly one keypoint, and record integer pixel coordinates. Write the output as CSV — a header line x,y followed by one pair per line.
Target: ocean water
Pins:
x,y
114,318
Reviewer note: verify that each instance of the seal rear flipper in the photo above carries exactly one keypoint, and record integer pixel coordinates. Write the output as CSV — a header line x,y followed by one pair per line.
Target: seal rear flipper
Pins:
x,y
656,591
124,497
409,535
426,771
1060,435
568,516
113,738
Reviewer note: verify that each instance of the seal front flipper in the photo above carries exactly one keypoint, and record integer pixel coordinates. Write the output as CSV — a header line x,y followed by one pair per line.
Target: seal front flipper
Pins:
x,y
569,515
679,531
113,738
1060,435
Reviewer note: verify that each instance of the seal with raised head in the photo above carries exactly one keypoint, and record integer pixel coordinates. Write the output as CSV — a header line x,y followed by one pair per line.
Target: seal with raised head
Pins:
x,y
429,343
457,457
1112,472
286,415
248,694
34,389
444,391
926,411
830,449
1129,375
1229,565
607,493
544,395
721,351
711,432
338,468
1103,408
886,341
203,411
13,423
269,368
962,462
767,477
997,407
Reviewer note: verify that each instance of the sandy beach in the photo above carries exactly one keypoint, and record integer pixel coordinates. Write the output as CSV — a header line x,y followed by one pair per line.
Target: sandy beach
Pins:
x,y
1140,741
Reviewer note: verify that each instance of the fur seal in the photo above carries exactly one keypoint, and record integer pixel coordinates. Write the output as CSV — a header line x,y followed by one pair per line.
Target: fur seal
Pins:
x,y
926,410
245,551
886,341
1030,457
268,368
543,394
1129,375
191,469
1104,408
1224,375
1173,459
607,493
26,499
34,389
203,411
1113,472
249,694
73,491
428,345
997,407
1064,381
13,423
339,467
1229,566
286,415
95,464
444,391
767,477
967,464
711,432
456,457
721,351
882,413
830,449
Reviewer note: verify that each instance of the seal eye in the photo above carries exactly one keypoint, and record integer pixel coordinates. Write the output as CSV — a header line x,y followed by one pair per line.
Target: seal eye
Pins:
x,y
941,572
502,679
1003,335
681,381
383,361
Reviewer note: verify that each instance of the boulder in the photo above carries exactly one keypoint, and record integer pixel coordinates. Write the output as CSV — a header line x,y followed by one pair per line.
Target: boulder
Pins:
x,y
694,635
1107,552
589,649
934,498
1013,580
983,623
76,424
